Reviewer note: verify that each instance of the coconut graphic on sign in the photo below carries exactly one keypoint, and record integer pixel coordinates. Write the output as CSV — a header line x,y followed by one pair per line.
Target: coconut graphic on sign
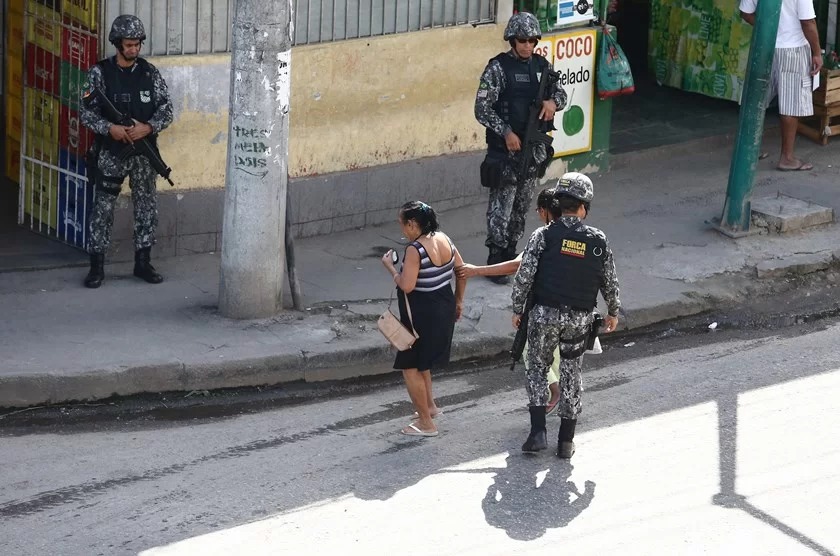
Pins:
x,y
573,117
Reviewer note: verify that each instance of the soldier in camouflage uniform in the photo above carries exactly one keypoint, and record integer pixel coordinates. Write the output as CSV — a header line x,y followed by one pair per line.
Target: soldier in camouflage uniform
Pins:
x,y
566,264
507,88
135,87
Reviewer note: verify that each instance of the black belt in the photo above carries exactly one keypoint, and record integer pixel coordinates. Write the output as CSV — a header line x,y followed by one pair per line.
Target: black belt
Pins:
x,y
563,307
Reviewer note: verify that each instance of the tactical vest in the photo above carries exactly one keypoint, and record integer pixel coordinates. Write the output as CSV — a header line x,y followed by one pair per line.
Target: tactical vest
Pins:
x,y
131,92
522,84
571,268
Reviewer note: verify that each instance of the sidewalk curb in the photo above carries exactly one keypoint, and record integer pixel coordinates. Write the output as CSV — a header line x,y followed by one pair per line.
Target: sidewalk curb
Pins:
x,y
357,356
310,367
343,364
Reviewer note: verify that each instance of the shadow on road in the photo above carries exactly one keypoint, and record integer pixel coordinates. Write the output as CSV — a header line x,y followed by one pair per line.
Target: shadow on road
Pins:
x,y
728,496
531,495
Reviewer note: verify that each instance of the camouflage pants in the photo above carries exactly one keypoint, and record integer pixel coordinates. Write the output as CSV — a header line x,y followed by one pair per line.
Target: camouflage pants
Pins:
x,y
544,336
508,206
141,180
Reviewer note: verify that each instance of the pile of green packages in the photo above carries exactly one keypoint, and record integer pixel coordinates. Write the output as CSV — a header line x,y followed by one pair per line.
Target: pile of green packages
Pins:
x,y
700,46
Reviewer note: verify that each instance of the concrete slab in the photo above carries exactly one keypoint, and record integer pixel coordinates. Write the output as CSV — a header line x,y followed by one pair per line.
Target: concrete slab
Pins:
x,y
800,263
783,213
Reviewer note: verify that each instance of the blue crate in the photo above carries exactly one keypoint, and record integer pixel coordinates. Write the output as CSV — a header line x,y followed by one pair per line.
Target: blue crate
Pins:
x,y
75,199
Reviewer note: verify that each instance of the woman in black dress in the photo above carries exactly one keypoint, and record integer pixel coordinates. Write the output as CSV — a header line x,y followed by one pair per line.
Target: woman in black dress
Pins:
x,y
424,281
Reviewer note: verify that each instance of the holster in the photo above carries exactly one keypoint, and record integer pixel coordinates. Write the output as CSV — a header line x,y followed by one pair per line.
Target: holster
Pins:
x,y
593,332
92,161
589,338
492,168
543,167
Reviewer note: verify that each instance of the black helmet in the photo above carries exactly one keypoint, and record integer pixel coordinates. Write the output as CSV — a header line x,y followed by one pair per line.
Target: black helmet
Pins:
x,y
126,27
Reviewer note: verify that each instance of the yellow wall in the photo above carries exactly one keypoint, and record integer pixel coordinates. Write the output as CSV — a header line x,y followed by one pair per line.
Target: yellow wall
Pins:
x,y
355,104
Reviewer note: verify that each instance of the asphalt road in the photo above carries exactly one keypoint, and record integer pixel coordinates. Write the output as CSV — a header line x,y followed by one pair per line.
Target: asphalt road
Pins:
x,y
692,441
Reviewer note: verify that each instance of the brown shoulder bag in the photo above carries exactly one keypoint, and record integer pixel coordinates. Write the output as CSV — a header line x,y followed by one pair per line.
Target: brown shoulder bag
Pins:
x,y
395,331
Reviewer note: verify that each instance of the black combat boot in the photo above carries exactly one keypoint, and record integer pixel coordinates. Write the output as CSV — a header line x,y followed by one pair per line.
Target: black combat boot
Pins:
x,y
536,439
143,267
510,252
496,256
565,446
97,271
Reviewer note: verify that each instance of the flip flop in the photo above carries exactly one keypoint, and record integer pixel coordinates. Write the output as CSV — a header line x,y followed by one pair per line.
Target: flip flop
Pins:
x,y
763,155
803,167
416,415
415,431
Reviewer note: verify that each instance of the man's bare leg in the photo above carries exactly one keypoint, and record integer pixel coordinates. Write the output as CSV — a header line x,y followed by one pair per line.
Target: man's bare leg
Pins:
x,y
787,158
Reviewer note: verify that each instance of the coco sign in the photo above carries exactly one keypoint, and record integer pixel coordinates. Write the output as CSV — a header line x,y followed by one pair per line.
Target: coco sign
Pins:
x,y
573,56
544,48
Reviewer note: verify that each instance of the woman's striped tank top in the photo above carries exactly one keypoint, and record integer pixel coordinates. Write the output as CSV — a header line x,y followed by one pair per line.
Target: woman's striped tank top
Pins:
x,y
432,277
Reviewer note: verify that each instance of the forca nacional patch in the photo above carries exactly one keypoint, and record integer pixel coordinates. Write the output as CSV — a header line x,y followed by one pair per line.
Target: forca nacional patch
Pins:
x,y
573,248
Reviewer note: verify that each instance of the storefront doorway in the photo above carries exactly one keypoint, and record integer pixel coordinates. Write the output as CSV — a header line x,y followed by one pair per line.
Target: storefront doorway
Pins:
x,y
688,69
656,116
44,187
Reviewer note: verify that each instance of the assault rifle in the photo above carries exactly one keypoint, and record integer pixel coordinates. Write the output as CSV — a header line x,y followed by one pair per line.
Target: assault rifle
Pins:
x,y
521,332
536,131
143,146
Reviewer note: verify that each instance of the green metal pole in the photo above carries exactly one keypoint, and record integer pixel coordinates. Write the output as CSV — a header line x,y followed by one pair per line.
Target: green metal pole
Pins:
x,y
736,209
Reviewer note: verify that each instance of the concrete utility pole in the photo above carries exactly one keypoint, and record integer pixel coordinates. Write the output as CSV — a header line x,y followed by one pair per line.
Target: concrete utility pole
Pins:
x,y
735,220
251,282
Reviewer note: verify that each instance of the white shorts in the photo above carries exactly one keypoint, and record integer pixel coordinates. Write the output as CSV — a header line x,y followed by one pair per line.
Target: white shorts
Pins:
x,y
791,80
